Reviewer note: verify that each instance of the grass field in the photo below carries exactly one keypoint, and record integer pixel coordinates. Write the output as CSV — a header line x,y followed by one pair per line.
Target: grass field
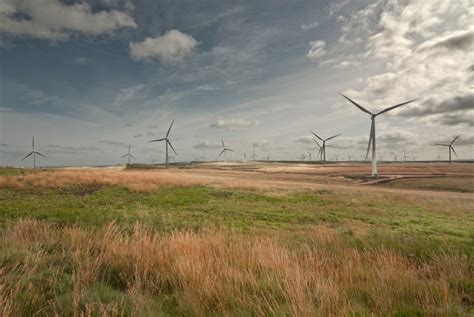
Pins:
x,y
213,242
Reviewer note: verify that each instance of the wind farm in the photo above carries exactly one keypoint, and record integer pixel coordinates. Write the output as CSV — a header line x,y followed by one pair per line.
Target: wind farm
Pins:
x,y
209,158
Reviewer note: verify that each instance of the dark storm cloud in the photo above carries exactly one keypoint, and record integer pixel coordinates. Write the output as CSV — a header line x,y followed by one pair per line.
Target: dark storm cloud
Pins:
x,y
431,106
456,119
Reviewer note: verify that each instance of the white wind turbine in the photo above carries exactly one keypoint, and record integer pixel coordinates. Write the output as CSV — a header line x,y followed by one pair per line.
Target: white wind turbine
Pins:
x,y
224,151
372,129
450,147
128,155
33,152
167,141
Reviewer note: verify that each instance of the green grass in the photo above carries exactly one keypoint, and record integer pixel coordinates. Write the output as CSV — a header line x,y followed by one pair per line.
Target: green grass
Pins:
x,y
418,230
197,207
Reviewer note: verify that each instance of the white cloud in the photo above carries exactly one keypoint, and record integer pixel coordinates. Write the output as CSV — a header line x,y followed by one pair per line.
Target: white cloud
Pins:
x,y
234,123
171,47
306,139
317,50
428,55
54,20
206,145
306,27
261,143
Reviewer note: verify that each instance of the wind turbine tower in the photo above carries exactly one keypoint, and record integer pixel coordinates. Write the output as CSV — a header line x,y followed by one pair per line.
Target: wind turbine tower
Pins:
x,y
33,152
128,155
224,151
450,147
372,129
253,156
167,142
323,147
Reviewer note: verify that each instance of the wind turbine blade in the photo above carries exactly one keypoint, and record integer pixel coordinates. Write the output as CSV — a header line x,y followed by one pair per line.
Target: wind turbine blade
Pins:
x,y
124,156
133,157
370,139
442,144
172,147
357,105
332,137
220,153
168,133
316,135
40,154
393,107
317,143
230,150
33,143
157,140
452,148
223,143
27,156
454,139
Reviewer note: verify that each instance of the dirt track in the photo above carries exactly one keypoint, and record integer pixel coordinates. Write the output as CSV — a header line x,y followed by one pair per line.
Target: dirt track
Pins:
x,y
301,176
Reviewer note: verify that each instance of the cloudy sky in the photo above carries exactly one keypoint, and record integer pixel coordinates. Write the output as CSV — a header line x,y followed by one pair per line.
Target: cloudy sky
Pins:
x,y
87,78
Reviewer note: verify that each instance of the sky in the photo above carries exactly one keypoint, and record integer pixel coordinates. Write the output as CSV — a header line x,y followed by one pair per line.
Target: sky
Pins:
x,y
89,78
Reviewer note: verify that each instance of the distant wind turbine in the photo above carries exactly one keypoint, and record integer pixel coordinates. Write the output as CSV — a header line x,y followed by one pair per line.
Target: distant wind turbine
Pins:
x,y
323,147
33,152
450,147
336,156
128,155
405,156
372,129
224,151
253,156
167,142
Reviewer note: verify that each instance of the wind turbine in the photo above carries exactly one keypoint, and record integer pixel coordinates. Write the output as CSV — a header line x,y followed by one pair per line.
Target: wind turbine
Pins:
x,y
128,155
405,156
224,151
253,156
320,151
245,156
450,147
323,147
310,154
167,142
336,156
202,157
33,152
372,129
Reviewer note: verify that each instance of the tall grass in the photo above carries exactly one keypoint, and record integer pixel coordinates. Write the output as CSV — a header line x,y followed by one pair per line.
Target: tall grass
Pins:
x,y
51,270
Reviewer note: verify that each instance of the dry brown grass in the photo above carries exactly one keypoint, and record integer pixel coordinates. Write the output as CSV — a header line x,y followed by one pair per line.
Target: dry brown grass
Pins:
x,y
217,272
140,181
